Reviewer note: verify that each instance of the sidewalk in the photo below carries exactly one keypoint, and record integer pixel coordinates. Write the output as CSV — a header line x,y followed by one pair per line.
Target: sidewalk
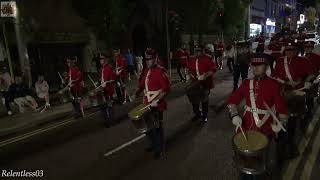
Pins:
x,y
18,122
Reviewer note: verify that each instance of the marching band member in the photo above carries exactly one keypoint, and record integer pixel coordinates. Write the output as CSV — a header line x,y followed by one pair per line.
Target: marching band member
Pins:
x,y
182,56
121,72
108,78
294,73
201,69
261,95
156,85
219,58
261,40
241,65
76,84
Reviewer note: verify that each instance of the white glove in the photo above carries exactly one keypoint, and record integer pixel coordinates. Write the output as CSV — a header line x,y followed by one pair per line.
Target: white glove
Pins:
x,y
154,104
317,80
103,84
307,85
276,127
201,77
237,121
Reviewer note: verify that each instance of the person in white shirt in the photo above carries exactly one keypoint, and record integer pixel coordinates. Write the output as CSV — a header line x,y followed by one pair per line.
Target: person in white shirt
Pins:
x,y
42,90
139,64
229,53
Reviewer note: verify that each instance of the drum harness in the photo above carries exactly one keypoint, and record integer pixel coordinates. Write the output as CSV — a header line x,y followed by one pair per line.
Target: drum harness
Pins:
x,y
254,110
151,95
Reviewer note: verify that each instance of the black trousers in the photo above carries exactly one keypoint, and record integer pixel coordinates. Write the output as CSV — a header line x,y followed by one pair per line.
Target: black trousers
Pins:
x,y
204,109
230,64
76,100
260,49
179,68
107,109
239,70
155,133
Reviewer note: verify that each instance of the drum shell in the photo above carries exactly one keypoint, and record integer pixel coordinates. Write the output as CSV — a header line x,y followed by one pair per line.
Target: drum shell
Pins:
x,y
251,161
197,93
296,104
138,118
93,98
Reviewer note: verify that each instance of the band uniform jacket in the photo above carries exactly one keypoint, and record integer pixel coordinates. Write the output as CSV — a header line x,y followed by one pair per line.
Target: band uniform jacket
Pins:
x,y
205,64
76,77
107,74
266,90
156,79
299,68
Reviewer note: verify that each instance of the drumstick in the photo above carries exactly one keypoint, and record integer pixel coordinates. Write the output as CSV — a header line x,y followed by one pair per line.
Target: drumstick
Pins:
x,y
92,81
244,135
103,84
274,116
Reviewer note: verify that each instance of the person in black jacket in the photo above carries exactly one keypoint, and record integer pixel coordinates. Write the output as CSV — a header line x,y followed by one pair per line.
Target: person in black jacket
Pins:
x,y
20,95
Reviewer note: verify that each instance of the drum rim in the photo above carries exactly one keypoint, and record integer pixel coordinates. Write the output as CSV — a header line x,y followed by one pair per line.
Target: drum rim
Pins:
x,y
250,152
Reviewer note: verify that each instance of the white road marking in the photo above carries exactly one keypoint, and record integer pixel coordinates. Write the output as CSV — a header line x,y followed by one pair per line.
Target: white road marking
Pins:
x,y
307,170
124,145
290,171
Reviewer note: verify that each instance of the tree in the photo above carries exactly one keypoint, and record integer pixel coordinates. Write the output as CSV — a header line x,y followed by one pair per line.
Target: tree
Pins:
x,y
311,18
107,19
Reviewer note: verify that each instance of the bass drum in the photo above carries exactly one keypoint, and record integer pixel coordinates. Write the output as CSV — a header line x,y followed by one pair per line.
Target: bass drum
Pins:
x,y
196,92
296,103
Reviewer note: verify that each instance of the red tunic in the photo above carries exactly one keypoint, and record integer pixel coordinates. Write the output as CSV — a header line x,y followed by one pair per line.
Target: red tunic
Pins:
x,y
261,40
122,66
76,77
220,48
108,74
314,60
299,68
157,80
182,56
205,65
276,50
266,91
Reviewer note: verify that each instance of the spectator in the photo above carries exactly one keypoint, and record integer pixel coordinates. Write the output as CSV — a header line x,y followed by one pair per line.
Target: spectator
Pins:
x,y
130,60
42,90
230,57
5,82
139,63
19,94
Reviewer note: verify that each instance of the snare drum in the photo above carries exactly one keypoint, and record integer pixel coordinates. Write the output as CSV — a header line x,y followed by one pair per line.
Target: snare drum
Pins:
x,y
137,117
251,155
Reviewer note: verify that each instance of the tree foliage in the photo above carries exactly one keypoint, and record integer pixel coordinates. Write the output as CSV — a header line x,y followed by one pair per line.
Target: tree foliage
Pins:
x,y
107,19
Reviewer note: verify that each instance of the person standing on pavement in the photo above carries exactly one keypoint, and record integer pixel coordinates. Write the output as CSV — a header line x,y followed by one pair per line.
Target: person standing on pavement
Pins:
x,y
156,85
121,72
139,64
182,55
131,64
108,78
201,69
42,90
76,84
294,73
276,51
220,52
241,65
5,82
257,92
230,57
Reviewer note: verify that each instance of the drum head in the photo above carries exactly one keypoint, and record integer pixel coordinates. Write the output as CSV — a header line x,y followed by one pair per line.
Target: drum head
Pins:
x,y
137,112
256,141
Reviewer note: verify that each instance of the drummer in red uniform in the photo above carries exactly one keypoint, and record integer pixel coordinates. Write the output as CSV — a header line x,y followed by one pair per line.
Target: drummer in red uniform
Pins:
x,y
276,51
76,83
108,78
294,73
202,69
156,85
121,72
261,94
261,40
182,56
